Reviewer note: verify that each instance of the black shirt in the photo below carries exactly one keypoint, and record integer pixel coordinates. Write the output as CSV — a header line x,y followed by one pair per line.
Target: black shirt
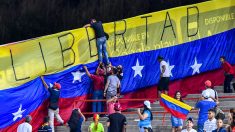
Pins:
x,y
117,122
99,30
54,98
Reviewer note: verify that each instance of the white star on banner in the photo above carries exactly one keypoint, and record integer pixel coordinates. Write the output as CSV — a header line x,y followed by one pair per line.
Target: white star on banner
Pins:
x,y
18,114
196,66
137,68
50,85
77,76
170,67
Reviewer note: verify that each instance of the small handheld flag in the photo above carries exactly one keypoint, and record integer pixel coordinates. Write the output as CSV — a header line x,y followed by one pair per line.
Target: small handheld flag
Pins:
x,y
175,107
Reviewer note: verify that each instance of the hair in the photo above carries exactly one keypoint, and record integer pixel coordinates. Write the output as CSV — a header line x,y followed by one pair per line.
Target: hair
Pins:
x,y
28,118
223,57
180,95
232,110
46,119
74,119
211,110
160,57
147,109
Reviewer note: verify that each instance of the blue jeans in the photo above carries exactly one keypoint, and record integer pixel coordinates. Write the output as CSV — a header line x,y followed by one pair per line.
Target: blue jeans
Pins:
x,y
101,47
97,106
200,128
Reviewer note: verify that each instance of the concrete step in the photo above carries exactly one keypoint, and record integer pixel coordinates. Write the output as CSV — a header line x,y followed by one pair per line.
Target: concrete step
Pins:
x,y
134,128
62,129
219,94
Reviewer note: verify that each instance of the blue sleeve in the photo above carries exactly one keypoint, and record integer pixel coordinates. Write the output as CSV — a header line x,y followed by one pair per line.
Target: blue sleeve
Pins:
x,y
50,89
198,105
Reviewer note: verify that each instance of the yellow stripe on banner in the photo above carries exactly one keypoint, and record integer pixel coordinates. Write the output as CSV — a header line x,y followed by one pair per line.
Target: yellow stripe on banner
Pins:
x,y
176,102
25,60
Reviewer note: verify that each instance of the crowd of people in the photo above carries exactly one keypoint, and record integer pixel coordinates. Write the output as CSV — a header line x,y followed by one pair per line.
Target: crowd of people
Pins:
x,y
107,85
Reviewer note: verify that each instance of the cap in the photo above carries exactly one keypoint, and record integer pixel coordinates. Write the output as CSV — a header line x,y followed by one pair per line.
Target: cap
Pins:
x,y
208,83
57,85
206,94
117,106
190,119
96,117
147,104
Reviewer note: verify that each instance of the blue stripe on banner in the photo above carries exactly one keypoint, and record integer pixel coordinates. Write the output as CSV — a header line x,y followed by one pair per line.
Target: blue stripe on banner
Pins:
x,y
174,107
142,69
18,102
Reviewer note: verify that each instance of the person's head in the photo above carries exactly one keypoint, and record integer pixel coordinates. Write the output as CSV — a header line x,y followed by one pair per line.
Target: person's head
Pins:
x,y
189,123
160,58
56,86
119,68
147,104
178,95
222,59
205,94
96,117
114,70
114,99
28,118
100,72
219,123
46,119
117,107
93,21
211,114
208,84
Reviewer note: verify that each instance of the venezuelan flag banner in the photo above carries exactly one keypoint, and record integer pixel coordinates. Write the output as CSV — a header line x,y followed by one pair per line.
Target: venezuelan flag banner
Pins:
x,y
190,38
175,107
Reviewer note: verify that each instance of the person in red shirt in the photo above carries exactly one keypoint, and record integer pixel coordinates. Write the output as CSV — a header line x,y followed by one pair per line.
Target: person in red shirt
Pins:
x,y
228,73
98,88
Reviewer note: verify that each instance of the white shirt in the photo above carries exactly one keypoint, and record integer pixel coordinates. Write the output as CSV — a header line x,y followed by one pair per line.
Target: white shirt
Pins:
x,y
211,92
24,127
167,71
192,130
209,126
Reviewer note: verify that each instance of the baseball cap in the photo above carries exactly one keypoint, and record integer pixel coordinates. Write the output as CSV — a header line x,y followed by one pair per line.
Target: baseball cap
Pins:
x,y
147,104
117,107
206,94
208,83
57,85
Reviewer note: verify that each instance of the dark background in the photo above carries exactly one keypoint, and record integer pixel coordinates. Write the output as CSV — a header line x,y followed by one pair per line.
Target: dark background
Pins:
x,y
25,19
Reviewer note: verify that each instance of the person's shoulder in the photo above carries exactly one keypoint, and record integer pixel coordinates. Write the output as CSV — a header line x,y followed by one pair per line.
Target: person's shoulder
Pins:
x,y
193,130
184,130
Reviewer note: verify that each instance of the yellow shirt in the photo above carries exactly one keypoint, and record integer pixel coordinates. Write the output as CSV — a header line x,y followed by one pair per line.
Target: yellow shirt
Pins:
x,y
100,127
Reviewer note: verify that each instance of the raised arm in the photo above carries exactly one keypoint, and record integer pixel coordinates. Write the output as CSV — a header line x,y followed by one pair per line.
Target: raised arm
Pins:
x,y
44,83
87,25
142,117
80,113
87,72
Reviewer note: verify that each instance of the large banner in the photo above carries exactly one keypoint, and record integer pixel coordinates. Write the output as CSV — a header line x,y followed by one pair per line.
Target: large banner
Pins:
x,y
23,61
190,38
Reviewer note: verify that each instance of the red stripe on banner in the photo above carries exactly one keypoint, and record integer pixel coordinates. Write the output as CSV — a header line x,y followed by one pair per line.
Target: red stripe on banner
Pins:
x,y
190,85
